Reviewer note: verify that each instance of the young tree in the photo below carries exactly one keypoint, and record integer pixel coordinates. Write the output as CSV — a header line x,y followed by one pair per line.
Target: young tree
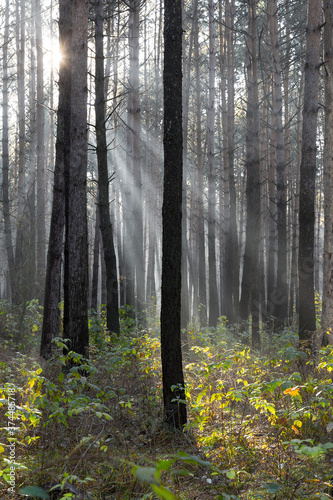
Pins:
x,y
172,371
307,316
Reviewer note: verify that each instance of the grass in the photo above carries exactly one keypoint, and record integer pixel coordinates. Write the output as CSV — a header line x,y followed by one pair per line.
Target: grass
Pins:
x,y
259,424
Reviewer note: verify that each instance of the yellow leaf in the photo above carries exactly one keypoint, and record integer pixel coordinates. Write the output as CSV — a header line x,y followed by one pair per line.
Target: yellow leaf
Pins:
x,y
296,431
215,396
292,391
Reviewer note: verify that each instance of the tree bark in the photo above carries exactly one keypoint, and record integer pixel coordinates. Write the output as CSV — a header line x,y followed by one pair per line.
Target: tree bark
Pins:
x,y
172,371
51,316
41,177
280,299
327,312
19,290
213,293
112,301
5,156
307,316
250,281
76,237
200,193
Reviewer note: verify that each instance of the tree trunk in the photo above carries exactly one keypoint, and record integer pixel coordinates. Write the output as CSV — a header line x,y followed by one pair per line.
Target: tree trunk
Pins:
x,y
327,313
232,251
19,291
51,317
280,300
172,371
307,316
250,281
95,269
76,237
30,210
41,236
213,293
200,194
112,313
5,156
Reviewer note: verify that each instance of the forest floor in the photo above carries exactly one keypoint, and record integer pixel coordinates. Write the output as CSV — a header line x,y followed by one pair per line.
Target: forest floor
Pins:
x,y
259,424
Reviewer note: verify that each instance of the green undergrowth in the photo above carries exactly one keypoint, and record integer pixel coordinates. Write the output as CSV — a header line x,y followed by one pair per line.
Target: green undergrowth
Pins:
x,y
259,424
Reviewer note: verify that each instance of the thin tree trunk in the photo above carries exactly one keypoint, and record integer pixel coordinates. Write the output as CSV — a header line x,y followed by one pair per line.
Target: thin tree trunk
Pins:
x,y
19,291
41,236
95,269
213,293
327,313
137,156
112,313
250,282
5,156
200,194
281,293
30,210
307,316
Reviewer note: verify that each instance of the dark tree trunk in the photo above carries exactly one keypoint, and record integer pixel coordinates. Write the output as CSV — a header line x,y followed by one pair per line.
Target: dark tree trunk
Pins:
x,y
76,236
200,194
327,314
19,288
112,313
213,293
95,269
232,252
307,316
51,318
281,294
41,177
250,283
5,154
172,371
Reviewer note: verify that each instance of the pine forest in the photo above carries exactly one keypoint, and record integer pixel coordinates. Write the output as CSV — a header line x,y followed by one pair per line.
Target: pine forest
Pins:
x,y
166,249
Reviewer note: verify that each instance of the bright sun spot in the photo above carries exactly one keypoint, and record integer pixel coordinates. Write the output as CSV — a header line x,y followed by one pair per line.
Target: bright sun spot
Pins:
x,y
52,54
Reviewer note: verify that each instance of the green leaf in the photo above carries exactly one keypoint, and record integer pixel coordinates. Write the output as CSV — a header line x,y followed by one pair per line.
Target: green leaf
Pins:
x,y
192,459
148,474
328,446
296,376
61,376
182,472
231,474
272,487
165,464
34,491
164,493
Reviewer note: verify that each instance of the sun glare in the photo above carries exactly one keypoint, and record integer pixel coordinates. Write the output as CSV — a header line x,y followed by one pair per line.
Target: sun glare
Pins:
x,y
52,55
